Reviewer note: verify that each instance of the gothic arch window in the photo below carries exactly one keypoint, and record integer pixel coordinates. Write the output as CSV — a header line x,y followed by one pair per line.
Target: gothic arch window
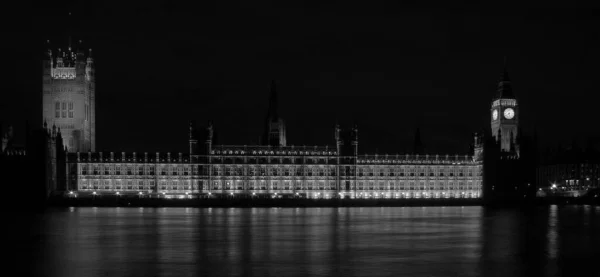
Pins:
x,y
64,110
57,110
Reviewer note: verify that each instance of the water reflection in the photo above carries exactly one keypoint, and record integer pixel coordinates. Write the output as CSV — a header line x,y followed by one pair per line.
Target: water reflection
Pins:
x,y
553,232
420,241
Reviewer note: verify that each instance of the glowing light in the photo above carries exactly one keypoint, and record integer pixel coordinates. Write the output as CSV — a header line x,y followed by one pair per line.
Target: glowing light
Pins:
x,y
70,192
254,193
94,193
140,193
553,186
117,193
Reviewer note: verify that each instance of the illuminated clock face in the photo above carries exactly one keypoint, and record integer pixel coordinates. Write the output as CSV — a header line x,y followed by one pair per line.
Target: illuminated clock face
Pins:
x,y
495,115
509,113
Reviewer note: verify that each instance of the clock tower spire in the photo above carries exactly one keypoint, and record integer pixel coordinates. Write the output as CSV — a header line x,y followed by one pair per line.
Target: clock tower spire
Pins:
x,y
505,112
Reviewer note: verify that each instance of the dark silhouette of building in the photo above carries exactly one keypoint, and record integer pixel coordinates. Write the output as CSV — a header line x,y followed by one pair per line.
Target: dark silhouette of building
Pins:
x,y
36,169
571,171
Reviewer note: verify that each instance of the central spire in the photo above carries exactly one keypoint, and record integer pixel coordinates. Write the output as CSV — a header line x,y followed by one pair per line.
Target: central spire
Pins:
x,y
274,133
272,114
418,144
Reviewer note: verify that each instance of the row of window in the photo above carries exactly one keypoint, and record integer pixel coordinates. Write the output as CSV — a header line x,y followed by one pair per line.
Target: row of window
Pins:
x,y
63,109
259,171
139,184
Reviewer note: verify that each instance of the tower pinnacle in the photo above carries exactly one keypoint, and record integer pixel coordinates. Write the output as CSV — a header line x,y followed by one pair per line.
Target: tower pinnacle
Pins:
x,y
504,85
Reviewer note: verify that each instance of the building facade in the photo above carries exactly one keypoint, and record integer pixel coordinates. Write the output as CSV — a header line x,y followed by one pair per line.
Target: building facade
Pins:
x,y
69,95
275,170
259,171
569,172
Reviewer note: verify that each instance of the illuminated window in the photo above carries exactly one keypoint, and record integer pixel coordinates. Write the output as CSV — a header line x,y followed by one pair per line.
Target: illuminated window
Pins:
x,y
70,109
64,109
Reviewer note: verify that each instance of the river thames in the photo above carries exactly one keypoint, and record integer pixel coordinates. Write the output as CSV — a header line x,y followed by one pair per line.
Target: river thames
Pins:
x,y
399,241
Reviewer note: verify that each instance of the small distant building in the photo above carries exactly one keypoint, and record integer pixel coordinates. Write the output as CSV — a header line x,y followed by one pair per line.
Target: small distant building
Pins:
x,y
569,172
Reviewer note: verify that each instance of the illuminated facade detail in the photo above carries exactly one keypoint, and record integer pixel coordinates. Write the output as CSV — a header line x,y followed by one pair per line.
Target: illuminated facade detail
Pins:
x,y
277,170
509,113
505,128
69,96
313,172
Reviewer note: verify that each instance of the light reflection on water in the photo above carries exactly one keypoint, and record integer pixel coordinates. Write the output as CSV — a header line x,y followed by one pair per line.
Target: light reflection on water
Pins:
x,y
410,241
553,232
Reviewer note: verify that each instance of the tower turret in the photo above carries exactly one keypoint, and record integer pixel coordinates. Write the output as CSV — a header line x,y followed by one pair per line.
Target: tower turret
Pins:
x,y
478,147
354,138
338,139
193,140
209,137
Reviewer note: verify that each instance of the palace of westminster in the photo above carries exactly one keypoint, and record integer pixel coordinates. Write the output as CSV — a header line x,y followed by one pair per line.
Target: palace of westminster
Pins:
x,y
273,169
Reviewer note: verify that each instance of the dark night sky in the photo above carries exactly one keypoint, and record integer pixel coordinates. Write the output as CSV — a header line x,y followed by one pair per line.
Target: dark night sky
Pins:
x,y
390,68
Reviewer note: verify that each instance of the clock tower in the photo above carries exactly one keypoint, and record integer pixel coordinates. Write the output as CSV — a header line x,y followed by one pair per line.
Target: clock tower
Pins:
x,y
505,115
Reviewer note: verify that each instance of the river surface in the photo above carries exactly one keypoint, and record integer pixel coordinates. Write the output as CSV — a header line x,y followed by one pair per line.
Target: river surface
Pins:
x,y
399,241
